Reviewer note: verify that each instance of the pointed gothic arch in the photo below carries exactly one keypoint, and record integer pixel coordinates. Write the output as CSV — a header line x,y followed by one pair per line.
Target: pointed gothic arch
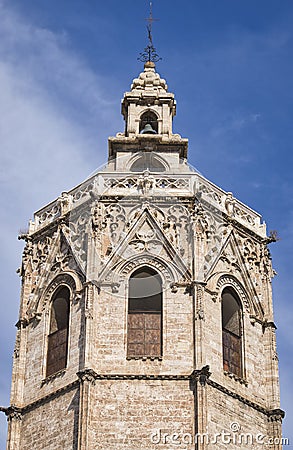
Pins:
x,y
232,332
58,335
145,314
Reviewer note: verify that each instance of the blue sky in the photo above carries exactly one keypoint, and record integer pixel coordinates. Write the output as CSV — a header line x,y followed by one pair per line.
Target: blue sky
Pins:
x,y
64,66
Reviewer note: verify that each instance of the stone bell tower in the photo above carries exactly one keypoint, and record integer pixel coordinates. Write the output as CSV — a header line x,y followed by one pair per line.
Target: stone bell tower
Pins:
x,y
146,315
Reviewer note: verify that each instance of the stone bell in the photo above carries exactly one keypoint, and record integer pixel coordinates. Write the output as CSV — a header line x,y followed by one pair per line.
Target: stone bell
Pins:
x,y
148,129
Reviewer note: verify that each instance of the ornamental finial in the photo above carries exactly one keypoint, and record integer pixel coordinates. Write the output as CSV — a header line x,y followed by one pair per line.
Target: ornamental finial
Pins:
x,y
149,56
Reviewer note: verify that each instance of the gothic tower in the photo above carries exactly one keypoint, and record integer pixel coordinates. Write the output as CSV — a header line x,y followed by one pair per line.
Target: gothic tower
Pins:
x,y
146,315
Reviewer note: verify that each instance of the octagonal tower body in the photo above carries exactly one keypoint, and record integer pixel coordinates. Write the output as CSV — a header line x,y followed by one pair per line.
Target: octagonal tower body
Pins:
x,y
146,314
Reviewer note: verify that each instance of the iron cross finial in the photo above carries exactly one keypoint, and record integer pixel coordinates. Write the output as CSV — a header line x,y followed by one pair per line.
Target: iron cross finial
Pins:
x,y
150,21
149,54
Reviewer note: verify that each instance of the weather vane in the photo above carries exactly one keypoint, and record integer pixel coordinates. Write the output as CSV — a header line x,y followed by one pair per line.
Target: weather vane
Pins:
x,y
149,54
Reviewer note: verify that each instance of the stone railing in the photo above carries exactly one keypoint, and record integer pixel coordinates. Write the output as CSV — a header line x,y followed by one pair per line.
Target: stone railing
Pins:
x,y
229,205
113,184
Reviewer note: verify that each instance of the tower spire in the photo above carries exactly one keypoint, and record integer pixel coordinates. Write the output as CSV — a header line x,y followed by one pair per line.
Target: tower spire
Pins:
x,y
149,55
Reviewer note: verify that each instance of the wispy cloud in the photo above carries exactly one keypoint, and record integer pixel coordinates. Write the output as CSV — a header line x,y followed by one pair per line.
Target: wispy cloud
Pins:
x,y
50,103
46,93
234,123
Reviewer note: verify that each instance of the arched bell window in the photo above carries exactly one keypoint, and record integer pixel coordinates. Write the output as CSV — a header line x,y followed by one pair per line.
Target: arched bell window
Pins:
x,y
232,332
144,335
58,332
148,118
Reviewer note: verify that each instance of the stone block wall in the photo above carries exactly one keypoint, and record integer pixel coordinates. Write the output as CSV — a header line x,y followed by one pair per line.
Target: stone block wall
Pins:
x,y
52,425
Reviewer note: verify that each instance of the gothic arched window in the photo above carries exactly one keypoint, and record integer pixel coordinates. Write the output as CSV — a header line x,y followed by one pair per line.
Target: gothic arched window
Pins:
x,y
144,336
232,332
58,332
148,118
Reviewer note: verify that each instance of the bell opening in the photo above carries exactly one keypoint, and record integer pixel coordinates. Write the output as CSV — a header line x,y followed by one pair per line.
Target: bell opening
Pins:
x,y
148,129
148,123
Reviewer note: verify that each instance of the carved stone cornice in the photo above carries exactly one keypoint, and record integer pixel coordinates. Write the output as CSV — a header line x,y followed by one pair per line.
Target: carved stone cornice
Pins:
x,y
154,143
273,415
235,377
88,375
276,415
48,398
145,358
52,377
148,377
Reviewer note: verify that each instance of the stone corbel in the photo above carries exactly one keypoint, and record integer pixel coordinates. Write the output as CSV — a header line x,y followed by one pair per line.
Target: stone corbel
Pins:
x,y
276,415
115,287
252,319
269,324
88,375
188,285
53,377
174,288
201,375
36,318
12,412
22,323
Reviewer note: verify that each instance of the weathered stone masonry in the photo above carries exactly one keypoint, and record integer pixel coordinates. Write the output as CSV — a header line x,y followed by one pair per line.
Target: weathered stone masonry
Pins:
x,y
203,353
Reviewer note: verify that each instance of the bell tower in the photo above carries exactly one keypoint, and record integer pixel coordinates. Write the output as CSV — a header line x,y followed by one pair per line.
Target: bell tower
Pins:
x,y
148,103
146,314
148,141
